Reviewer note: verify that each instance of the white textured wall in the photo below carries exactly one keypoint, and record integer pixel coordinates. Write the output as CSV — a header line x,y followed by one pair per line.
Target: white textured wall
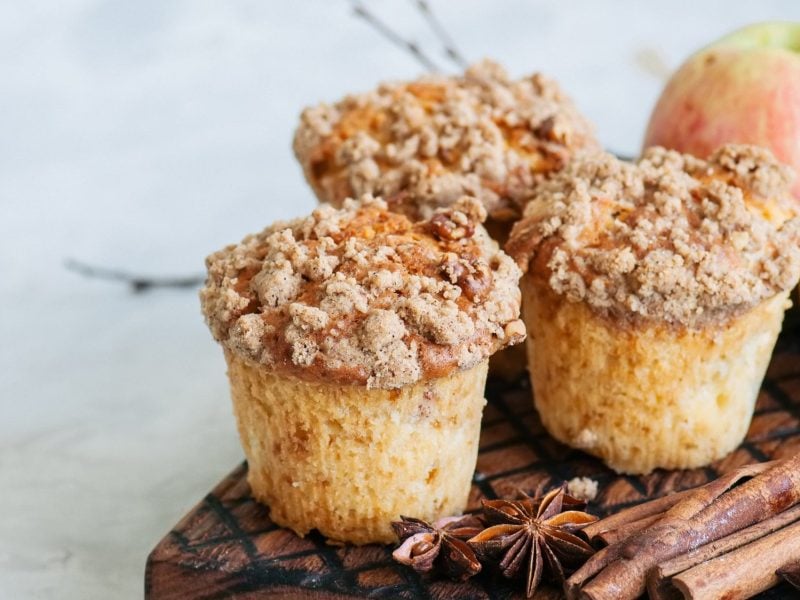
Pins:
x,y
146,133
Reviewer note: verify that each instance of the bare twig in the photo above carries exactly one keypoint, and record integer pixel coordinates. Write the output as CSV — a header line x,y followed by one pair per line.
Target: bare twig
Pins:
x,y
137,283
387,32
450,48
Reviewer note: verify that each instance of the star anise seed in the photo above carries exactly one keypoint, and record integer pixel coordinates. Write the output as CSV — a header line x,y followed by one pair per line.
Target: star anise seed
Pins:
x,y
532,537
441,545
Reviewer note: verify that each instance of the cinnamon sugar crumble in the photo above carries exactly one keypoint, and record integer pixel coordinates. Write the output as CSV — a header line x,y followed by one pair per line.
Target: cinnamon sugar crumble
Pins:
x,y
364,296
671,237
424,144
582,488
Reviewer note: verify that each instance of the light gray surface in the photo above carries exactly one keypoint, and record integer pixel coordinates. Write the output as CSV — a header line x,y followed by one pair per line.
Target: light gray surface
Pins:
x,y
147,133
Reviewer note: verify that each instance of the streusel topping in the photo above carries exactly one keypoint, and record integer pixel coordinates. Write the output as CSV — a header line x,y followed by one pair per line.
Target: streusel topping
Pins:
x,y
361,295
424,144
671,238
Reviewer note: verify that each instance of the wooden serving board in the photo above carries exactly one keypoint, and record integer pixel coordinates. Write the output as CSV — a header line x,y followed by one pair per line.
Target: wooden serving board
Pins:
x,y
227,547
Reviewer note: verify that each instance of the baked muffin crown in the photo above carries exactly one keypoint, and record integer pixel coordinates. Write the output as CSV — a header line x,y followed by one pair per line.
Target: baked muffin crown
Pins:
x,y
363,296
670,238
423,144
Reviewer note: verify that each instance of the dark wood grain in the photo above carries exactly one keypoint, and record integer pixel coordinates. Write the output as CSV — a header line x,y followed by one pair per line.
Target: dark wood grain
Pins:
x,y
227,547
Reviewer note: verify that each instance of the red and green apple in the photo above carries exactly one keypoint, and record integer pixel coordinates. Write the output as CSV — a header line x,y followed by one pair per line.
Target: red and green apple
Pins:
x,y
743,88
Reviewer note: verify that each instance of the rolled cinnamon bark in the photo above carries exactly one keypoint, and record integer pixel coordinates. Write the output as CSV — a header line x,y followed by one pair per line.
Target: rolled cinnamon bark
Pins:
x,y
641,511
690,503
744,572
623,532
765,495
791,573
659,584
701,498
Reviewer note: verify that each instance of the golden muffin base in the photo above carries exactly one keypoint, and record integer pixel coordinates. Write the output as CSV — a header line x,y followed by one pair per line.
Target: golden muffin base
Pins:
x,y
347,460
645,397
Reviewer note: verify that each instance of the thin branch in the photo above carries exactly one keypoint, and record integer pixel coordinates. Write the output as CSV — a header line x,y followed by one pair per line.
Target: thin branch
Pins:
x,y
450,49
387,32
137,283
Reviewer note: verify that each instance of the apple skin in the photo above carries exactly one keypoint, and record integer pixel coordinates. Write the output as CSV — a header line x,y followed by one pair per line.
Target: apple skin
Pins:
x,y
743,88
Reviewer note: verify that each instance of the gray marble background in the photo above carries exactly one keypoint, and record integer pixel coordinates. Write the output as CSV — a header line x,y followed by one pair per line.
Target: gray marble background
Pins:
x,y
146,133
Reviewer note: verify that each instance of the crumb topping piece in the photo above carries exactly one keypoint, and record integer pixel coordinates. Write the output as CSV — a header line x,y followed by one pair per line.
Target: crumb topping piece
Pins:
x,y
424,144
363,296
671,238
582,488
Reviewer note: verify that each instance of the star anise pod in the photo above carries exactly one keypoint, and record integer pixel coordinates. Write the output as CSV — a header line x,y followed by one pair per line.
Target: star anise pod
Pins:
x,y
529,537
441,545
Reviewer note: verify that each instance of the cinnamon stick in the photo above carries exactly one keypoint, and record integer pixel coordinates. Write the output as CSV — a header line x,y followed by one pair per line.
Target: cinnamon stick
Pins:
x,y
690,502
716,515
791,573
622,518
623,532
659,584
744,572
